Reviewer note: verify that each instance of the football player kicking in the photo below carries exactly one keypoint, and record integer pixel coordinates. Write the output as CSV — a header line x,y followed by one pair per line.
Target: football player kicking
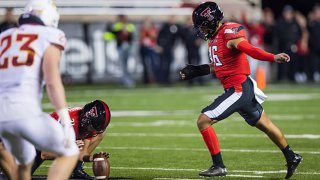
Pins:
x,y
228,50
89,124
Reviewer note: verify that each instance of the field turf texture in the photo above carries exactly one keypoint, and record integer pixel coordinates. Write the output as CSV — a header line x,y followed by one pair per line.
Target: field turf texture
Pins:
x,y
153,132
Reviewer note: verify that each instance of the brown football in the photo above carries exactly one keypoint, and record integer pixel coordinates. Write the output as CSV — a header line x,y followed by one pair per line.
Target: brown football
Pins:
x,y
101,167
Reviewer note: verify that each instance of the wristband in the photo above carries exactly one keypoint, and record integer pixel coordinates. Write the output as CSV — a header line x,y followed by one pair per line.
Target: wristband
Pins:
x,y
87,158
204,69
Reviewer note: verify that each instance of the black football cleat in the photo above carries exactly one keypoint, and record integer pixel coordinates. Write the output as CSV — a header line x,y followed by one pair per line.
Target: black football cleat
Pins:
x,y
214,171
79,173
292,166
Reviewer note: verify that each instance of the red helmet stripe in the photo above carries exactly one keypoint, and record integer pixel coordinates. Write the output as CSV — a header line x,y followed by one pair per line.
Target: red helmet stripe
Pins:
x,y
108,114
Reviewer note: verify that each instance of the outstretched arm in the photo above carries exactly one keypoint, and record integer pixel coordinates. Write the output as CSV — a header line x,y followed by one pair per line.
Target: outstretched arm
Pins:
x,y
257,53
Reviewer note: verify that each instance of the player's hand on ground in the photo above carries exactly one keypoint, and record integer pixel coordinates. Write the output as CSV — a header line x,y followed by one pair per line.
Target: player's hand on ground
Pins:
x,y
187,72
281,58
101,154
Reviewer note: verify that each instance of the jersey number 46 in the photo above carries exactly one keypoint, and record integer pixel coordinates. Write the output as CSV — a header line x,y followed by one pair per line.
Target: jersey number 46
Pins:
x,y
213,56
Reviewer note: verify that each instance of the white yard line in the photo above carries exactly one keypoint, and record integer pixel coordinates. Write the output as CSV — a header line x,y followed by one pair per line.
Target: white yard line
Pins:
x,y
202,149
175,169
229,175
230,171
124,92
274,172
188,135
143,113
180,169
281,96
156,123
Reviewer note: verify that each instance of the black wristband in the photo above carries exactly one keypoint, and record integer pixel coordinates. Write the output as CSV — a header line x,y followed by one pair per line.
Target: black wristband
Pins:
x,y
191,71
86,158
204,69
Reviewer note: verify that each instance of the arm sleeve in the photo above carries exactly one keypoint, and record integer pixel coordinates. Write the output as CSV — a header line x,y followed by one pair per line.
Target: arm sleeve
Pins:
x,y
255,52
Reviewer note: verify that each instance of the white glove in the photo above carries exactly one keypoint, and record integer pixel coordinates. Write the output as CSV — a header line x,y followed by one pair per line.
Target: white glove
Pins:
x,y
80,144
67,128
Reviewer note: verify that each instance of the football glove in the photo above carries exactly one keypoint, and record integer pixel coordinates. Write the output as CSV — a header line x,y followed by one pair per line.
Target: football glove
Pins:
x,y
68,131
191,71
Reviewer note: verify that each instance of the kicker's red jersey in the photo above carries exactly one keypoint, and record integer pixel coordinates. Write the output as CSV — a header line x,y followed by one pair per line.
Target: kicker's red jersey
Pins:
x,y
231,66
74,116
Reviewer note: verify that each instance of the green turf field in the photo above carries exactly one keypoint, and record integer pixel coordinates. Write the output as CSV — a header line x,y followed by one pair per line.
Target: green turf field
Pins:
x,y
153,133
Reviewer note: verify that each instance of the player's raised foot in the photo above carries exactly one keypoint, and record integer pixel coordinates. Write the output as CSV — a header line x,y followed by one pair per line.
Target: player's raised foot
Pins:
x,y
214,171
292,166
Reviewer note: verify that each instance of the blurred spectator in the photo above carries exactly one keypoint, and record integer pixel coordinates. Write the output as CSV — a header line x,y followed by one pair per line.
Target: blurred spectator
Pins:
x,y
255,29
166,40
288,33
188,4
269,33
256,33
148,52
269,42
314,42
123,31
9,21
192,43
302,50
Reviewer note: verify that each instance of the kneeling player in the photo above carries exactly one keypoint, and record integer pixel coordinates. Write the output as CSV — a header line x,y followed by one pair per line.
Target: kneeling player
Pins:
x,y
89,124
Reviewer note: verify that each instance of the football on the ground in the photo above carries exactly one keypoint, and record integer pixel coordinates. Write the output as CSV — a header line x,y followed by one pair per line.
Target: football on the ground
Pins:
x,y
101,166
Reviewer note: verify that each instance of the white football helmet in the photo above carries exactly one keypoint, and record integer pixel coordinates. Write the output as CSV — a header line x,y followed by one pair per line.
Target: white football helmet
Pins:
x,y
46,10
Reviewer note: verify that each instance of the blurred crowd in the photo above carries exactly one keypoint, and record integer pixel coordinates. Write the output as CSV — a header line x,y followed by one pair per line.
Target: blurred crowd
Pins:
x,y
293,33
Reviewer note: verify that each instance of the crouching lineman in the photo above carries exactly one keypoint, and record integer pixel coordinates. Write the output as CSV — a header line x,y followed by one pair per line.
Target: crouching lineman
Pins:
x,y
89,124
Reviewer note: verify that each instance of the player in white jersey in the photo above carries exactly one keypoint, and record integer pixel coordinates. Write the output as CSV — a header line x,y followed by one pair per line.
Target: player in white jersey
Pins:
x,y
29,58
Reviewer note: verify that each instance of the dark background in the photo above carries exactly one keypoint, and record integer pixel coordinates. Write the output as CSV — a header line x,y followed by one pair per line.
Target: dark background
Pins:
x,y
304,6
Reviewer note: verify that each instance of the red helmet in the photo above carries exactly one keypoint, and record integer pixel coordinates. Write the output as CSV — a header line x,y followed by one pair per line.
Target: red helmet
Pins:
x,y
206,18
94,118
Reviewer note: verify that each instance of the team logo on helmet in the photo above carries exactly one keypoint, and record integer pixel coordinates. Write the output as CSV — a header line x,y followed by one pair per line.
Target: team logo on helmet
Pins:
x,y
92,113
207,13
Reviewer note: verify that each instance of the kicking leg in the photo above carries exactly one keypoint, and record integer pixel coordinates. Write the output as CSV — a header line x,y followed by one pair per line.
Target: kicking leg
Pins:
x,y
275,134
